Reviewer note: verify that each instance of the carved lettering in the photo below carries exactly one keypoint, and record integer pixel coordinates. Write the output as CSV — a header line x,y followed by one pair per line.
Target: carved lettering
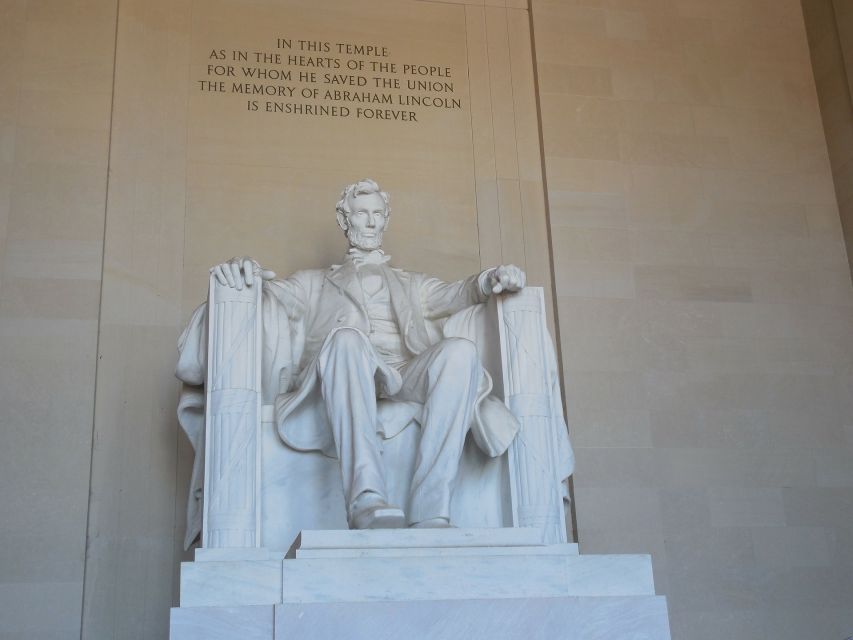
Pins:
x,y
320,77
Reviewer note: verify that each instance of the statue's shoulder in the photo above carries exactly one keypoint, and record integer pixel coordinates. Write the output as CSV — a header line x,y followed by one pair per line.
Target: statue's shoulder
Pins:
x,y
304,279
408,275
409,279
309,275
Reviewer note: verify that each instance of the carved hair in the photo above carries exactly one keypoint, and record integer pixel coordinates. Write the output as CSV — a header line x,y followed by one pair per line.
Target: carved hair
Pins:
x,y
361,188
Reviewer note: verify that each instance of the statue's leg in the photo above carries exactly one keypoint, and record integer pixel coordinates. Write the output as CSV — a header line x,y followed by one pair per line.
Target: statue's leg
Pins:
x,y
347,366
445,378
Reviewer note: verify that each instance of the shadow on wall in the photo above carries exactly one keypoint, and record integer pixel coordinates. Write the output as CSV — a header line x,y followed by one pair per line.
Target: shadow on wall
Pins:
x,y
829,26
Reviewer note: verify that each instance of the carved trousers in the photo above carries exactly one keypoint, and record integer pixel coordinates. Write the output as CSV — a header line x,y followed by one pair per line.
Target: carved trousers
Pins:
x,y
444,378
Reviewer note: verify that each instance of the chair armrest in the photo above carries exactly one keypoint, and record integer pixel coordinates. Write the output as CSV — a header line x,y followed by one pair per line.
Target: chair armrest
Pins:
x,y
231,516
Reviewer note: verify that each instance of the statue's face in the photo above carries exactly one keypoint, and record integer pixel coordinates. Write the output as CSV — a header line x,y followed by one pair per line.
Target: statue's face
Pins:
x,y
366,221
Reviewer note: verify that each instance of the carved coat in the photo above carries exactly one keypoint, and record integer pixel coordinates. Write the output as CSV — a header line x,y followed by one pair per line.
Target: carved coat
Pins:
x,y
331,299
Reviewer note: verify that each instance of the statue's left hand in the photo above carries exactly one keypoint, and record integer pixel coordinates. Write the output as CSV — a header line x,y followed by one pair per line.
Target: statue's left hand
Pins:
x,y
506,278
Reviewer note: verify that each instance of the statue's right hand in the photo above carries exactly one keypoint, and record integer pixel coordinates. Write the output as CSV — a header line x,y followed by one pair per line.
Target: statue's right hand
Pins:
x,y
240,272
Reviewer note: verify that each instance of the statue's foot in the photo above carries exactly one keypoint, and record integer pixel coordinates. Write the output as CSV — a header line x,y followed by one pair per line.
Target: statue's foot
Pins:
x,y
371,511
432,523
384,517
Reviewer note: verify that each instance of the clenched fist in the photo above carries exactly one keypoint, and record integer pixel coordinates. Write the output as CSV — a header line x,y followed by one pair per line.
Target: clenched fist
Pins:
x,y
507,278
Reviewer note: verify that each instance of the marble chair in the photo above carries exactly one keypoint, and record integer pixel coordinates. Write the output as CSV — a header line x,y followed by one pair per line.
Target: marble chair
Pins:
x,y
249,489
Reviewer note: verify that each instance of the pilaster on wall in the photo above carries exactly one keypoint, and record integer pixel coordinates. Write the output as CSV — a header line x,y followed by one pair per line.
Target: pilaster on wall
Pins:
x,y
505,125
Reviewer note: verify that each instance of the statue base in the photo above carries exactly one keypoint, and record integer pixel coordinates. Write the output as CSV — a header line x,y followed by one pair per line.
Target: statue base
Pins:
x,y
438,583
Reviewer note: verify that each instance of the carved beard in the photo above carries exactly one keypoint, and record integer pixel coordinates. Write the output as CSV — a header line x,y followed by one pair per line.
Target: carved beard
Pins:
x,y
359,241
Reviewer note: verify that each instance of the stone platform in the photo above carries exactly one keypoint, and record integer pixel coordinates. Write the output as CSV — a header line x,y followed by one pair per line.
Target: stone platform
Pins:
x,y
465,583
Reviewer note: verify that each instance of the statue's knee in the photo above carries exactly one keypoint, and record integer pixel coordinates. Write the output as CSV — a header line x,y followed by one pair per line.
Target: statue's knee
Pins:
x,y
346,338
342,344
460,352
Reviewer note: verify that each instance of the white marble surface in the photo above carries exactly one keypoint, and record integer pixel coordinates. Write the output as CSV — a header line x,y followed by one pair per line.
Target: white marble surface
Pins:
x,y
550,550
347,574
637,618
232,458
254,554
464,577
530,389
230,583
303,490
425,542
222,623
567,618
418,538
423,584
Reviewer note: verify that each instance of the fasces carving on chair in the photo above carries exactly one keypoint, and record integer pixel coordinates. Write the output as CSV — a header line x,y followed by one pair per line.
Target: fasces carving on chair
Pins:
x,y
374,379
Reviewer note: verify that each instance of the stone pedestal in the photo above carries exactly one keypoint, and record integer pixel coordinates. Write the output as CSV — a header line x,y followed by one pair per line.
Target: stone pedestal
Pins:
x,y
456,583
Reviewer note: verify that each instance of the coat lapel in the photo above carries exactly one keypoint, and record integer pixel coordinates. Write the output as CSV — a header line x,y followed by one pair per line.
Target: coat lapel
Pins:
x,y
344,278
407,310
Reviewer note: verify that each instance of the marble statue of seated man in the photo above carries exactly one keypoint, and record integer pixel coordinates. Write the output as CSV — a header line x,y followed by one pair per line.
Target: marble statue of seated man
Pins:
x,y
361,333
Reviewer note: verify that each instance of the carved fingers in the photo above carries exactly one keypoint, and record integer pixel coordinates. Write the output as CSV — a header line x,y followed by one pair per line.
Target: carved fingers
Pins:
x,y
240,272
507,278
219,274
236,279
249,272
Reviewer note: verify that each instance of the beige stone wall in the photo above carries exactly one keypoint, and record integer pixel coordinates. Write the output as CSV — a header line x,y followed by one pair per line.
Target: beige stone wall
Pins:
x,y
705,306
56,62
195,179
703,293
829,25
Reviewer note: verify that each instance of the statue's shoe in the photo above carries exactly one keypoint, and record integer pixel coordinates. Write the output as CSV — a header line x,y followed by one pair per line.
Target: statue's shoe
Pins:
x,y
381,516
371,511
432,523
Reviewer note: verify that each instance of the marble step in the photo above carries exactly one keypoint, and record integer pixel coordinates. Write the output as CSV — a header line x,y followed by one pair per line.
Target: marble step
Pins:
x,y
424,542
400,542
438,577
367,579
550,550
410,538
567,618
257,555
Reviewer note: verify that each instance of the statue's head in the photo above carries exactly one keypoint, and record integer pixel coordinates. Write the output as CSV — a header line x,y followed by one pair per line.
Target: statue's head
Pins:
x,y
363,213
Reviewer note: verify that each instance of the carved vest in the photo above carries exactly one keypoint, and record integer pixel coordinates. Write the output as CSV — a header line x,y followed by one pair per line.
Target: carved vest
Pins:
x,y
384,332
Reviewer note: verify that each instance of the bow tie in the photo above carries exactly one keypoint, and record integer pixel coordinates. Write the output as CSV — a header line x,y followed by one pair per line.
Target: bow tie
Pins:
x,y
358,257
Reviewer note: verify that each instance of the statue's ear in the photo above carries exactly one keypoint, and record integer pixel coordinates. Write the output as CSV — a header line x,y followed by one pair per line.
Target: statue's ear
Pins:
x,y
342,221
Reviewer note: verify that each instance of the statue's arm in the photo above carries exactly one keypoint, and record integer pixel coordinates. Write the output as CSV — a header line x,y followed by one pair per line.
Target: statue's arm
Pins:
x,y
441,299
290,295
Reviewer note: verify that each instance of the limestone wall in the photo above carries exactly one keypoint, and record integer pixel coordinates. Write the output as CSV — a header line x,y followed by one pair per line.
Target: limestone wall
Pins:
x,y
705,306
703,293
56,69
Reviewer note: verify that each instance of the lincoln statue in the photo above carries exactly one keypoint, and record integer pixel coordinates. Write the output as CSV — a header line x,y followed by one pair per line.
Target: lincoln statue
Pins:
x,y
341,343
